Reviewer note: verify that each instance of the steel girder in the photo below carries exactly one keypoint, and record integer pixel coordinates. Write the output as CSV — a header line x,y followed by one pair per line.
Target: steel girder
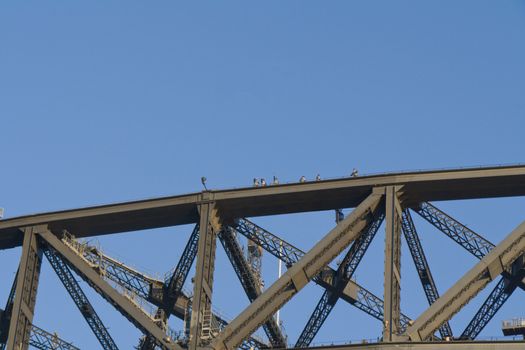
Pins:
x,y
251,343
172,287
135,282
201,316
139,215
178,277
123,276
114,270
478,246
271,200
421,264
493,264
125,306
80,299
499,295
461,234
473,242
147,342
492,304
344,272
249,282
298,275
315,322
272,244
434,345
353,293
38,337
43,340
25,292
6,314
392,276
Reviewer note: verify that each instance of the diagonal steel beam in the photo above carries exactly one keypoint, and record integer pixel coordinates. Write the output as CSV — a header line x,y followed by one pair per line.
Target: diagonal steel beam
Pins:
x,y
43,340
421,264
353,293
473,242
80,299
323,308
139,284
171,290
118,273
488,309
493,264
344,272
461,234
249,282
298,275
176,282
125,306
499,295
252,343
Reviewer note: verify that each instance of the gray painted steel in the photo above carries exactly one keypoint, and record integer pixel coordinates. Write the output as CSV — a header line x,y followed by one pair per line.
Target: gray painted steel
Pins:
x,y
210,209
25,293
392,276
273,200
297,276
120,302
493,264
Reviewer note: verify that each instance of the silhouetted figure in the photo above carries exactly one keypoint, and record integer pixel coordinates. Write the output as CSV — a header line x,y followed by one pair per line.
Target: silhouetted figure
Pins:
x,y
339,216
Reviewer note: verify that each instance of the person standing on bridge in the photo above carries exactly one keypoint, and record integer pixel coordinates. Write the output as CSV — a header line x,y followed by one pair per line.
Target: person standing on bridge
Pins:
x,y
302,179
255,182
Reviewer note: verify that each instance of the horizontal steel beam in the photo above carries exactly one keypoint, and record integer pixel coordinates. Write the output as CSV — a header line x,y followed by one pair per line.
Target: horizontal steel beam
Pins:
x,y
455,345
272,200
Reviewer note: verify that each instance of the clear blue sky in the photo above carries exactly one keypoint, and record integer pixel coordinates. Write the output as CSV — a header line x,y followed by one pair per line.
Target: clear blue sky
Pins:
x,y
112,101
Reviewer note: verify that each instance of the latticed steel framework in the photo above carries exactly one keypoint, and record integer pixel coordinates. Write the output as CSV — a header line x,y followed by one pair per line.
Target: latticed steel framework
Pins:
x,y
223,216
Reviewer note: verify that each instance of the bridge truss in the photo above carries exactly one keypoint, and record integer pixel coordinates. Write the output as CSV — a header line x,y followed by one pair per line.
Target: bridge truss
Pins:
x,y
225,215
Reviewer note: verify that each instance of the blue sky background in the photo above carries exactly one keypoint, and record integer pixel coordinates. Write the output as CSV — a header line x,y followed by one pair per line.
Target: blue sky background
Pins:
x,y
113,101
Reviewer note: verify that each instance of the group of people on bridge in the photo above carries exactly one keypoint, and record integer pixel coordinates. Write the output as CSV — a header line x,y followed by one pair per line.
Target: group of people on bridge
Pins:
x,y
261,182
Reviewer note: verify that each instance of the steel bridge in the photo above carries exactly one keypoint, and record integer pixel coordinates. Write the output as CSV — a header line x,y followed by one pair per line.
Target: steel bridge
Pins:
x,y
225,215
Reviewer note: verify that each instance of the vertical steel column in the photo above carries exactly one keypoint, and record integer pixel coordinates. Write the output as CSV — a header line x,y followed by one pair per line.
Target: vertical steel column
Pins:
x,y
201,316
25,294
5,315
392,276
